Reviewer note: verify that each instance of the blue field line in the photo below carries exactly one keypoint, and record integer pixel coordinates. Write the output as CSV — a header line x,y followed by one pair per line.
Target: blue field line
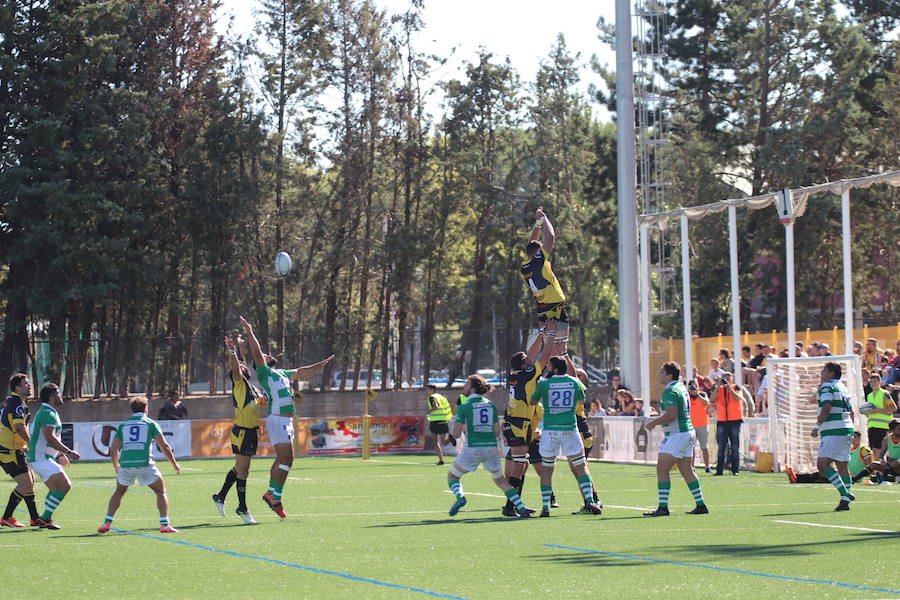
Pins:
x,y
742,571
295,566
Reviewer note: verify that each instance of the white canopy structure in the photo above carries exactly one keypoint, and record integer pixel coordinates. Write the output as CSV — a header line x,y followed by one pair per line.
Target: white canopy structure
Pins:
x,y
791,205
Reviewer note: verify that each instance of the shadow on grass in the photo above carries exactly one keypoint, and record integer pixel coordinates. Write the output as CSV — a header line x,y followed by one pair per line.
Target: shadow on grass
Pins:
x,y
753,550
457,520
583,559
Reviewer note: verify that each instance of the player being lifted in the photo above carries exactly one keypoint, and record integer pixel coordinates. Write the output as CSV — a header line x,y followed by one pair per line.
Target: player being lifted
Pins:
x,y
834,424
518,423
551,300
244,434
479,417
47,454
559,394
276,384
677,448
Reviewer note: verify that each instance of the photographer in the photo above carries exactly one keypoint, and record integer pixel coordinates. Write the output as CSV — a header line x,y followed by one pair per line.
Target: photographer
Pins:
x,y
729,416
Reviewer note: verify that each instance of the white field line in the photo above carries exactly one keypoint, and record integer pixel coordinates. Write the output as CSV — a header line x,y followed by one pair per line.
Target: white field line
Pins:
x,y
835,526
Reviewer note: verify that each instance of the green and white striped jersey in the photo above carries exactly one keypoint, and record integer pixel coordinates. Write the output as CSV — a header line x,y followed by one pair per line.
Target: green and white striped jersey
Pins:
x,y
479,416
136,434
559,394
838,421
38,449
276,383
675,394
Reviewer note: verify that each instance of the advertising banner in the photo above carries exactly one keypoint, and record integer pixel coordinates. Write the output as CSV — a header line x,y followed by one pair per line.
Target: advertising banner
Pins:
x,y
344,435
92,440
210,438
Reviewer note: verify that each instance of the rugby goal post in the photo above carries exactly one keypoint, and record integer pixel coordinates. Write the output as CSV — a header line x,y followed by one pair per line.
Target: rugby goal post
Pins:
x,y
793,384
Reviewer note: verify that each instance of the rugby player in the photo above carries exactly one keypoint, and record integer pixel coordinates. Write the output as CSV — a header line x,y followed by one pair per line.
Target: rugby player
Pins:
x,y
551,300
834,425
479,417
559,394
276,384
677,448
47,454
134,437
13,443
244,434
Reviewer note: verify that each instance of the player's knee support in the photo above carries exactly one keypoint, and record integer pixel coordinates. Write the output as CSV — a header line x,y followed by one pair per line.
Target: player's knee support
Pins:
x,y
285,467
455,471
548,463
577,462
496,474
520,458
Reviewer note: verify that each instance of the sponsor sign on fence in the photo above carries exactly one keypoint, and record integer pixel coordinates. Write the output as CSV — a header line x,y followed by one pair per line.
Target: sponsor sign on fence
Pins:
x,y
344,435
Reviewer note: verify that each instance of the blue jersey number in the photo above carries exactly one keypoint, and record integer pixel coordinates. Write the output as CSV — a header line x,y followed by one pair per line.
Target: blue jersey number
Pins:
x,y
484,416
561,398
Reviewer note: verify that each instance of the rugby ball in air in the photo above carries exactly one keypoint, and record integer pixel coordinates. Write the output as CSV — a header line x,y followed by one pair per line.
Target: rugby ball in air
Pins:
x,y
866,408
283,264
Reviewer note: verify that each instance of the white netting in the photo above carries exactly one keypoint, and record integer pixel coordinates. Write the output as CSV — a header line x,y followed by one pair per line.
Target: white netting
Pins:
x,y
792,387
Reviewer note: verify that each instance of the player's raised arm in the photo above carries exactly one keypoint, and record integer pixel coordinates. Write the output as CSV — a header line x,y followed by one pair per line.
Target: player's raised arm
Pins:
x,y
535,350
259,358
549,232
301,372
234,365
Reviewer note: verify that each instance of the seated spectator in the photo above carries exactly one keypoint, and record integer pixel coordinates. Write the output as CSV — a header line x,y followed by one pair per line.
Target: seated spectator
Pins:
x,y
596,409
800,350
173,409
614,405
824,350
784,353
626,400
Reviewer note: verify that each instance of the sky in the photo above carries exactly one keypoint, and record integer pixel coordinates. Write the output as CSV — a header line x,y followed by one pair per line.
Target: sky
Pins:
x,y
523,30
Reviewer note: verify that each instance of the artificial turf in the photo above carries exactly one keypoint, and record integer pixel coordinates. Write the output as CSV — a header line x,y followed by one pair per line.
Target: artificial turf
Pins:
x,y
379,529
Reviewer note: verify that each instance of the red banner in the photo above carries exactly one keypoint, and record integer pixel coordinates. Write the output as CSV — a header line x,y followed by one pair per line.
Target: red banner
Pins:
x,y
344,435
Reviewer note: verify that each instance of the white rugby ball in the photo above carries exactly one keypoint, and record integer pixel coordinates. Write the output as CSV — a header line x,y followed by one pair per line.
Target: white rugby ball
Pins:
x,y
866,408
283,264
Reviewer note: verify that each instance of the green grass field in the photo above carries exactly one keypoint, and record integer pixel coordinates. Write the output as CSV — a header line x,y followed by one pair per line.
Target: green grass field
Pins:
x,y
379,529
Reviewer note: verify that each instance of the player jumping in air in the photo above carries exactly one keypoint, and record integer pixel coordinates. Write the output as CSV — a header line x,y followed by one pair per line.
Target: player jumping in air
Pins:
x,y
276,384
134,436
551,300
834,425
677,448
244,434
479,417
559,394
47,454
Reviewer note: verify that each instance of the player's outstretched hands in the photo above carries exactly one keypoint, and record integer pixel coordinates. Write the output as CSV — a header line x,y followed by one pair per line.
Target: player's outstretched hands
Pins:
x,y
229,343
246,324
539,213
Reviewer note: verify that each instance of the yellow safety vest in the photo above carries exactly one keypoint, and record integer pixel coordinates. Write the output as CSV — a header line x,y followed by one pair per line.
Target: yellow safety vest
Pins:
x,y
879,420
442,411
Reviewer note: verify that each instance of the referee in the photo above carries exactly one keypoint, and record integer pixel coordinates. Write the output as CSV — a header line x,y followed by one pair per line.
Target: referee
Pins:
x,y
439,416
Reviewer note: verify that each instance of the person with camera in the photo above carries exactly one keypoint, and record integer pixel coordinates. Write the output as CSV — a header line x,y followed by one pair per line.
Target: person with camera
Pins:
x,y
729,416
700,420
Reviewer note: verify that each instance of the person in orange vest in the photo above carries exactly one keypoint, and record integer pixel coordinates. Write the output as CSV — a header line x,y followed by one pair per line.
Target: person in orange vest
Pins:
x,y
700,419
729,416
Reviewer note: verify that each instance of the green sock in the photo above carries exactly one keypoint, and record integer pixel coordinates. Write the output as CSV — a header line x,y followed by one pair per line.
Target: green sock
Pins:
x,y
456,488
514,497
835,479
51,502
163,521
848,482
662,488
587,487
272,485
546,493
278,491
108,519
694,486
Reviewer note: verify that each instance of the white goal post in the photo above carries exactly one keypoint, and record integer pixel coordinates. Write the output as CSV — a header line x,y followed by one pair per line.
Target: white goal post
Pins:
x,y
793,384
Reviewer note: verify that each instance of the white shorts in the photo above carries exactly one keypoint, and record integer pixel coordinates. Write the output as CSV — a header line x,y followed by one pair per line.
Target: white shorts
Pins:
x,y
143,475
554,443
469,459
702,434
46,468
679,444
280,429
835,447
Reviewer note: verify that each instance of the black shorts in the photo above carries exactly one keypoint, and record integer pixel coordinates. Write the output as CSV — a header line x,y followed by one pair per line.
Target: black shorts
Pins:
x,y
517,431
244,440
438,427
534,453
556,311
16,467
876,437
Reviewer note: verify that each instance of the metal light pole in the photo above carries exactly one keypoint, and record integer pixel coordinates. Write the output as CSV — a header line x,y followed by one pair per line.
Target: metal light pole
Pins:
x,y
629,322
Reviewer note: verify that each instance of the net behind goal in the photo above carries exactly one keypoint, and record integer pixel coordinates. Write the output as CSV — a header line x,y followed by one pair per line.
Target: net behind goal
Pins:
x,y
792,387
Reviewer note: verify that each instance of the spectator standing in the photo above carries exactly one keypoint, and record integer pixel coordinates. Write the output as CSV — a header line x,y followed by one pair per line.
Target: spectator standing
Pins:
x,y
173,409
880,418
729,416
726,363
715,370
871,358
700,420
